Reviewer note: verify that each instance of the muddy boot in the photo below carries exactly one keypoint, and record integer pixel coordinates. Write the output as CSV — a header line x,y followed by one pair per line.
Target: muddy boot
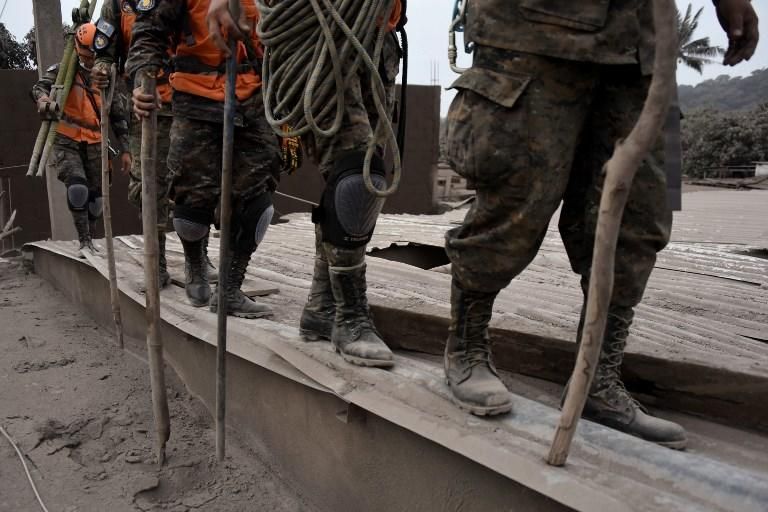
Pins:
x,y
213,272
83,232
469,370
164,276
610,403
320,310
354,336
195,274
239,304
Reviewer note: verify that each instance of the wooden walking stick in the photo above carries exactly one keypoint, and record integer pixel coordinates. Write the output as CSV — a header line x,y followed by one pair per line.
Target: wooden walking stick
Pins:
x,y
106,104
225,217
152,268
619,173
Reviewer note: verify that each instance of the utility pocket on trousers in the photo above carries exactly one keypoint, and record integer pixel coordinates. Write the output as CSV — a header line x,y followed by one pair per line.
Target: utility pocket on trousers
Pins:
x,y
488,131
585,15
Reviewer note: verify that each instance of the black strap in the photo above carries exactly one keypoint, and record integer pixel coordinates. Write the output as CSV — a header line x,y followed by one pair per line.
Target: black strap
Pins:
x,y
403,17
190,64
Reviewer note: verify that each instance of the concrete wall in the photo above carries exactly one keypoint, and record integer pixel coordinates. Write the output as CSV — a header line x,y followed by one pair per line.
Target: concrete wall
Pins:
x,y
18,128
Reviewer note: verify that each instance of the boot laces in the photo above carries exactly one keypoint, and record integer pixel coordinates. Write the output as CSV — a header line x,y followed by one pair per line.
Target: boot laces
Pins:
x,y
477,349
609,369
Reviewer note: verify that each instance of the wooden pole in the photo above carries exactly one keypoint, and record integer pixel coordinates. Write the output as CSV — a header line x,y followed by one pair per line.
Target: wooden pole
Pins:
x,y
107,96
152,269
620,171
225,213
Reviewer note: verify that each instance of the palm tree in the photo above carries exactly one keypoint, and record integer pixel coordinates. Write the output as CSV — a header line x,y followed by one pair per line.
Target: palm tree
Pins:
x,y
696,53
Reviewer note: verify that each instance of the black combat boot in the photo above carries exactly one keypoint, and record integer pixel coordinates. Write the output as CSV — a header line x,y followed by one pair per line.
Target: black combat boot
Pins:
x,y
320,310
354,336
610,403
469,369
83,231
239,304
164,276
195,273
213,273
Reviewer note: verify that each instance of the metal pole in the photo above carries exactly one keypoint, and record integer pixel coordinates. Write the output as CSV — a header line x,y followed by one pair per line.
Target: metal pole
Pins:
x,y
152,269
106,103
620,171
225,212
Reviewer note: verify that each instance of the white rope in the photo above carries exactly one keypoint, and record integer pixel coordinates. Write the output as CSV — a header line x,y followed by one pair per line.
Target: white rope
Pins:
x,y
296,198
310,49
26,469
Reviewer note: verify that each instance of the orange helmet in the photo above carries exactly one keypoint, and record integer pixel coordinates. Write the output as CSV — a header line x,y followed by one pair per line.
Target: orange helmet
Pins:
x,y
85,35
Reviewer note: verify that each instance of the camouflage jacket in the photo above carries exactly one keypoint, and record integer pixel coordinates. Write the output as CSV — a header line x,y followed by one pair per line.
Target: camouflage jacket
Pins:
x,y
118,116
111,48
600,31
155,28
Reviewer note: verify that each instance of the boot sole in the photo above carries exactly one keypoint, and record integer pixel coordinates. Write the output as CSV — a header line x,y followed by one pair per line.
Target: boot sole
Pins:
x,y
674,445
361,361
248,316
478,410
311,336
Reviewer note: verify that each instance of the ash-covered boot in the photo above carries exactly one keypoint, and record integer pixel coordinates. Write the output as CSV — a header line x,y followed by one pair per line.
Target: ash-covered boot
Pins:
x,y
610,403
320,310
195,273
239,304
213,272
83,231
164,276
354,336
472,378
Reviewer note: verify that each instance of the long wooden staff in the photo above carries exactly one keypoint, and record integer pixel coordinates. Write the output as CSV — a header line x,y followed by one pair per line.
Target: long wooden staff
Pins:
x,y
620,171
225,213
152,268
107,95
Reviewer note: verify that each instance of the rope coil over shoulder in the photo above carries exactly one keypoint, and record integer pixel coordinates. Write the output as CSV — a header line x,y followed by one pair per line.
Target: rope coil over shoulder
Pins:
x,y
311,46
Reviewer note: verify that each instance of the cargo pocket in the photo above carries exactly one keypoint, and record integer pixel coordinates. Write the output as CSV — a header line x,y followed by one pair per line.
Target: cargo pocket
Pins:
x,y
585,15
488,135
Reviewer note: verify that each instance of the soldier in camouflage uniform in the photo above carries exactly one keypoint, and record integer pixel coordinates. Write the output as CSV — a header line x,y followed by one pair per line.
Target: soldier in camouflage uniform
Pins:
x,y
112,42
337,307
76,156
553,86
194,157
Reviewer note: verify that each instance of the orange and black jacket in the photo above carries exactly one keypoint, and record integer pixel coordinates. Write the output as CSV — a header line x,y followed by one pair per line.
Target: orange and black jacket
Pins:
x,y
198,76
81,112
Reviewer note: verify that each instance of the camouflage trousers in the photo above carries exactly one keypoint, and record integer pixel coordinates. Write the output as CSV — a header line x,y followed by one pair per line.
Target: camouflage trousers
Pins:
x,y
531,132
71,159
360,115
194,160
163,175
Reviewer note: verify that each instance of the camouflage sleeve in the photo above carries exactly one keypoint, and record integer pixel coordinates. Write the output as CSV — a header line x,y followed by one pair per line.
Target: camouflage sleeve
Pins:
x,y
44,85
155,27
108,34
118,118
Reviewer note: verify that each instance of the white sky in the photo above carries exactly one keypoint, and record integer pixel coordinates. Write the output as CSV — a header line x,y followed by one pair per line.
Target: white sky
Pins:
x,y
427,33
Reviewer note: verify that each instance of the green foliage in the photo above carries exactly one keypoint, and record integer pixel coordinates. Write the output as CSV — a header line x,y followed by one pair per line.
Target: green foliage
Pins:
x,y
13,54
694,53
726,93
713,139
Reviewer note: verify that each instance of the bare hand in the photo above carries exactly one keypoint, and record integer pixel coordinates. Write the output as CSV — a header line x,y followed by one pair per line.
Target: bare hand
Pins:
x,y
220,21
143,103
739,20
43,104
100,76
126,162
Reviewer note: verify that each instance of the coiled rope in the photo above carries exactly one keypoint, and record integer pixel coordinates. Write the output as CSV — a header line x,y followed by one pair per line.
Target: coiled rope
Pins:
x,y
312,48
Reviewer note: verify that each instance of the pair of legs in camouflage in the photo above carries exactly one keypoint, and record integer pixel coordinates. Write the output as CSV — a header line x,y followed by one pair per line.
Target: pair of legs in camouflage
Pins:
x,y
337,307
78,166
529,133
194,160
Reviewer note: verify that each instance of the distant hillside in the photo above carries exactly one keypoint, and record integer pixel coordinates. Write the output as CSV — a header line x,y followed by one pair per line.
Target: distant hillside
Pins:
x,y
726,93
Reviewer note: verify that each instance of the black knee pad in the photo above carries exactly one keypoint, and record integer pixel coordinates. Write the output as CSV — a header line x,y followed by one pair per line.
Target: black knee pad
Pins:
x,y
191,224
95,205
77,194
250,226
347,213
